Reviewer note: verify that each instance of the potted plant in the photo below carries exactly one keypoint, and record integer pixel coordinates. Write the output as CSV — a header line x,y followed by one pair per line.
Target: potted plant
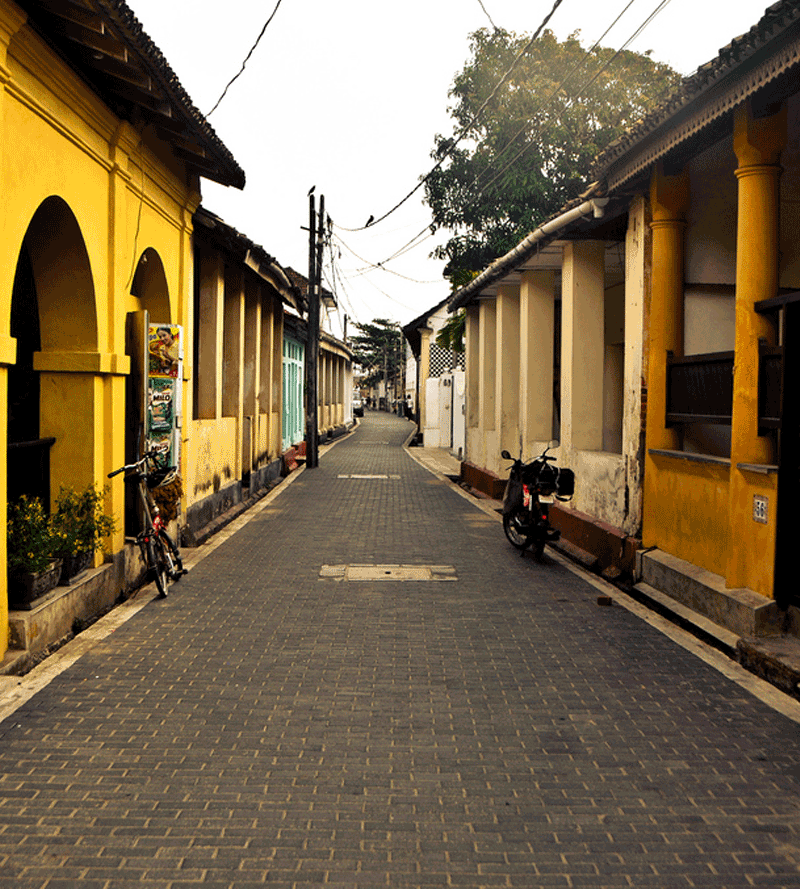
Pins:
x,y
78,526
33,569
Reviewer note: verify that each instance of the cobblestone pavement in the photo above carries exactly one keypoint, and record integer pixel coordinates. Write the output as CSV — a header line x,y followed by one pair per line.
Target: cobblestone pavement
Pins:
x,y
276,723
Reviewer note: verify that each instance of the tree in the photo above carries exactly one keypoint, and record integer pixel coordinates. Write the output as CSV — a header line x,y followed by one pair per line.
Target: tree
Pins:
x,y
531,147
379,346
451,333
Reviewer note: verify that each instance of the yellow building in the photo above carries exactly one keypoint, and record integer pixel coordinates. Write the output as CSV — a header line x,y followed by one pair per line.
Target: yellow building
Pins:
x,y
234,432
101,154
720,169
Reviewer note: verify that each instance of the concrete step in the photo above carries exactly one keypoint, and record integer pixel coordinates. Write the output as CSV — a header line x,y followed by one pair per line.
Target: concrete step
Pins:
x,y
700,626
740,610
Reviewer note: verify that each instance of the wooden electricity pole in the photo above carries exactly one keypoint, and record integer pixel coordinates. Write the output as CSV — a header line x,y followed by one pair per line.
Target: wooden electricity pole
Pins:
x,y
315,243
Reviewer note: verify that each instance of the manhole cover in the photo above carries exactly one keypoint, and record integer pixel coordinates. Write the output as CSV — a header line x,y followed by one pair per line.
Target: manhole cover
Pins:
x,y
389,572
379,476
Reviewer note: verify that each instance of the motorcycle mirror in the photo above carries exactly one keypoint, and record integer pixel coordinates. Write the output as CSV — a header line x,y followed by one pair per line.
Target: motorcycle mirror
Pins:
x,y
505,455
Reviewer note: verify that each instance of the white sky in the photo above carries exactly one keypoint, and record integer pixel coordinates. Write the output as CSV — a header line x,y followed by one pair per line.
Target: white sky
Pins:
x,y
347,95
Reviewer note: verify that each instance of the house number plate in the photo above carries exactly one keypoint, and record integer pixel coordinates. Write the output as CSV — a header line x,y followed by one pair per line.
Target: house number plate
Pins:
x,y
760,509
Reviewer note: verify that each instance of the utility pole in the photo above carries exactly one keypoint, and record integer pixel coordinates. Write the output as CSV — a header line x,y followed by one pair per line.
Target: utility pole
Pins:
x,y
315,243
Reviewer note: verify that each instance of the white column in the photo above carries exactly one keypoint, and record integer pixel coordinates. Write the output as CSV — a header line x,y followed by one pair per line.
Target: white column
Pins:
x,y
507,378
487,371
583,345
537,330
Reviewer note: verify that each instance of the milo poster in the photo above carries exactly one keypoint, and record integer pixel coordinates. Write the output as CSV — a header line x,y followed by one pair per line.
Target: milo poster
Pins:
x,y
165,351
165,354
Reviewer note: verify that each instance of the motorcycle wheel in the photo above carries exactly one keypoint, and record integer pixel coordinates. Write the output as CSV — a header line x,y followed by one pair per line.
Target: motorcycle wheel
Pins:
x,y
514,525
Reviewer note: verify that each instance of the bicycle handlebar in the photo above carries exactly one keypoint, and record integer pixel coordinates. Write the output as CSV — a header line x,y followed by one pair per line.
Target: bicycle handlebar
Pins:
x,y
153,452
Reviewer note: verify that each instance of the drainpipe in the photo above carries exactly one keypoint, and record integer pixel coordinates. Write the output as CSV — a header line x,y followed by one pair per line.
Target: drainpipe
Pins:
x,y
594,207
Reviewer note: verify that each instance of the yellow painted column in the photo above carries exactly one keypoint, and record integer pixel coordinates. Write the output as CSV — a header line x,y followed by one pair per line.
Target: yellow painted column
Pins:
x,y
758,143
11,20
277,375
507,379
8,355
209,336
537,323
669,201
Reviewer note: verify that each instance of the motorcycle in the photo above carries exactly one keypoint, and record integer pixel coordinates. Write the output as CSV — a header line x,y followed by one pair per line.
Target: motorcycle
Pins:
x,y
530,491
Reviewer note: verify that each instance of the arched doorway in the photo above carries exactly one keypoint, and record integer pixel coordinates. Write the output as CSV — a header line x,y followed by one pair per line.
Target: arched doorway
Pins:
x,y
151,293
53,314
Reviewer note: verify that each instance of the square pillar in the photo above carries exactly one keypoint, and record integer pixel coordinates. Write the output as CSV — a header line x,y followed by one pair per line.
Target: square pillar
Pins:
x,y
583,345
487,372
209,327
507,379
537,337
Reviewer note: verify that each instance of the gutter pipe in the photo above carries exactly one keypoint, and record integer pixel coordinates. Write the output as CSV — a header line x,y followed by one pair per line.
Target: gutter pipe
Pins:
x,y
502,266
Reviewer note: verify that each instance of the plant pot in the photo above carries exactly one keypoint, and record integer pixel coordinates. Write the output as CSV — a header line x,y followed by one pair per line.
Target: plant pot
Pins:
x,y
26,587
73,565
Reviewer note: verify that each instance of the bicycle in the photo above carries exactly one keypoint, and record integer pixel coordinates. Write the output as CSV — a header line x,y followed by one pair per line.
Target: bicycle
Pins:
x,y
159,552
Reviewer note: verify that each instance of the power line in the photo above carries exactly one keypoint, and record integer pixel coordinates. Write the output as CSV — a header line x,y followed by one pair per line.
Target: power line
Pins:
x,y
414,242
570,99
487,15
246,59
466,128
553,95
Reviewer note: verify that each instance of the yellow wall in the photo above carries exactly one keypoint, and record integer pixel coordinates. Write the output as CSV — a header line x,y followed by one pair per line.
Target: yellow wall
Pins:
x,y
698,508
95,198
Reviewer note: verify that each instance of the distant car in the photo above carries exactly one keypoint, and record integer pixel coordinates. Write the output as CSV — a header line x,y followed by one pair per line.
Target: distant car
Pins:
x,y
358,406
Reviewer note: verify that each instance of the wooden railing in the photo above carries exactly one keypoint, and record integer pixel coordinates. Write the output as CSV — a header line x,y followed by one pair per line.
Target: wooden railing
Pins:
x,y
700,388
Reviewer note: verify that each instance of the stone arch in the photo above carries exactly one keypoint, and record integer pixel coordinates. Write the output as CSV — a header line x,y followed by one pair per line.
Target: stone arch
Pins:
x,y
63,279
150,287
54,322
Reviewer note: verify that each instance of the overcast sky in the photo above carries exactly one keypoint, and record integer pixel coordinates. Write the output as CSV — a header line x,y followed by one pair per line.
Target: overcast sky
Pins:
x,y
347,95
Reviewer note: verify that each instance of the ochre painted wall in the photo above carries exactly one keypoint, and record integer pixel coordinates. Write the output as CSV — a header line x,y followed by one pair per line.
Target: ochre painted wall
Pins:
x,y
93,197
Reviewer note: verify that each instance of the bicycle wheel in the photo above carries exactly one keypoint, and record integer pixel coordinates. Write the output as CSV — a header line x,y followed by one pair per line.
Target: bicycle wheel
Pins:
x,y
159,565
176,570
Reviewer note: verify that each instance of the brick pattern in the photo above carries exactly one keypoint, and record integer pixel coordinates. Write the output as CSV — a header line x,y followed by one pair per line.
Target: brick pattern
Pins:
x,y
265,726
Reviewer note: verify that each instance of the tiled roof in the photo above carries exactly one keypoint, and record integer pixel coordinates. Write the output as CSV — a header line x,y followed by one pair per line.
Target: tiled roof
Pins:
x,y
780,20
104,42
246,251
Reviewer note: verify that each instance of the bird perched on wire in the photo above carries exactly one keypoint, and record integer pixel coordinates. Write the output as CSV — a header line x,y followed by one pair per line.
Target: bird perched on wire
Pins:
x,y
370,221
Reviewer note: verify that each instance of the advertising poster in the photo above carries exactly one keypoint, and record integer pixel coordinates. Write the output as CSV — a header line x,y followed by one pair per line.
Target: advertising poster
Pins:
x,y
164,347
165,354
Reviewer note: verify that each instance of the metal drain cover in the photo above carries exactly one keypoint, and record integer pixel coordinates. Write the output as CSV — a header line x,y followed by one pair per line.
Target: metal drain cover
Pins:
x,y
389,572
381,475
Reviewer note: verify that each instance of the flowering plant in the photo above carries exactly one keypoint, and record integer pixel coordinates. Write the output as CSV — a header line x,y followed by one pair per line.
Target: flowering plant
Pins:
x,y
30,536
79,523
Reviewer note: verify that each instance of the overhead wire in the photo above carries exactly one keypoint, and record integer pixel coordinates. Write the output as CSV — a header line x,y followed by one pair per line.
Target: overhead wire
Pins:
x,y
467,126
428,231
484,187
487,15
246,60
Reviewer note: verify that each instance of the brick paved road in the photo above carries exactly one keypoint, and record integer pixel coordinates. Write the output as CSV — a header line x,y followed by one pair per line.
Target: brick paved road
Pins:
x,y
268,726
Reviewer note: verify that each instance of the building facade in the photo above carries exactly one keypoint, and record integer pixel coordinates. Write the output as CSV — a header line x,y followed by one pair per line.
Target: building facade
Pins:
x,y
648,330
99,183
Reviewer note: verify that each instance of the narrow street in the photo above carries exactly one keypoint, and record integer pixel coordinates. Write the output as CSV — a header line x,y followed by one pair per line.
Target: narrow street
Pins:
x,y
366,686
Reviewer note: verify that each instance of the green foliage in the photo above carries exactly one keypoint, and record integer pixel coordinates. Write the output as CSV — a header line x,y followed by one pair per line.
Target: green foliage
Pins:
x,y
30,536
380,343
451,334
79,523
533,145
